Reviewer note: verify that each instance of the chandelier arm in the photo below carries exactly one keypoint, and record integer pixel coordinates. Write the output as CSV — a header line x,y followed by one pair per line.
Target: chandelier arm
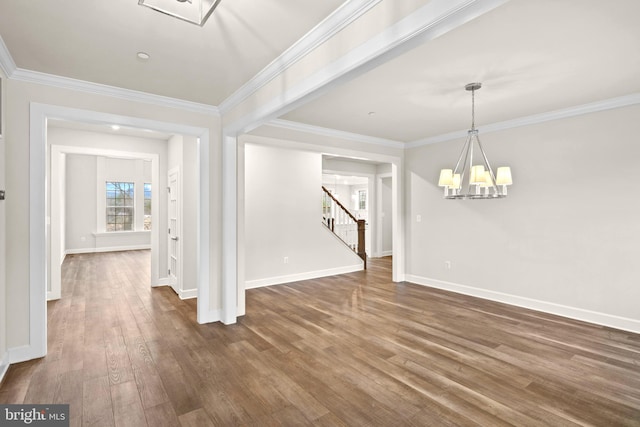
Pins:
x,y
463,170
473,135
486,163
464,146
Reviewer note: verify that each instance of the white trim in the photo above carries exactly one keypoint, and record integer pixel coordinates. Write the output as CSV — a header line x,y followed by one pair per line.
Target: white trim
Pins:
x,y
428,22
121,233
623,323
210,316
106,249
334,133
38,239
7,64
116,92
279,280
379,177
385,253
333,24
578,110
347,153
163,281
21,354
4,366
229,230
10,69
188,293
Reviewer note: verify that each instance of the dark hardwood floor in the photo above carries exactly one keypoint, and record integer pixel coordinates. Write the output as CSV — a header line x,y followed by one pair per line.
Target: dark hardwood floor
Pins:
x,y
347,350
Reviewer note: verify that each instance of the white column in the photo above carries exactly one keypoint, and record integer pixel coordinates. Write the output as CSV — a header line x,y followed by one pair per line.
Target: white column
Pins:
x,y
229,229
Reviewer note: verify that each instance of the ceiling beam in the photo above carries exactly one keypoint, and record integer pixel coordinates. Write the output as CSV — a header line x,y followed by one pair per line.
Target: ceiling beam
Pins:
x,y
428,22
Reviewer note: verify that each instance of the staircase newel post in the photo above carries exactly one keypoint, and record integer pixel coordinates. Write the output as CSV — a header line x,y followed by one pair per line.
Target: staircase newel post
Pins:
x,y
361,246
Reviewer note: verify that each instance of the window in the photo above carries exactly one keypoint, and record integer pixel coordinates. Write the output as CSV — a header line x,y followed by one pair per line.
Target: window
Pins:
x,y
119,206
362,200
147,206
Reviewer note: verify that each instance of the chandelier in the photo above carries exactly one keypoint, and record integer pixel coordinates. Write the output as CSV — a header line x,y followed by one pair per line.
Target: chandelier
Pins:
x,y
469,181
194,11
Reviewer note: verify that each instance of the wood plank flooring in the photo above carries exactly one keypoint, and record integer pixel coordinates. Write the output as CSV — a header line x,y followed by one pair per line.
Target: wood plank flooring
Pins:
x,y
349,350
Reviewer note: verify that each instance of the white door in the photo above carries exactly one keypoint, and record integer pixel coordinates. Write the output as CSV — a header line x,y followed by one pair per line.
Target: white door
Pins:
x,y
174,230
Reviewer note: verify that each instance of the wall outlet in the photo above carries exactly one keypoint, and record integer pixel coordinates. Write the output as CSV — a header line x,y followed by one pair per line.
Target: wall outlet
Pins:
x,y
447,265
418,218
286,260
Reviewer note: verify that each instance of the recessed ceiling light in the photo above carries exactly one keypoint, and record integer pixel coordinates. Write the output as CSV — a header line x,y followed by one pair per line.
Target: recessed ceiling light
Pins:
x,y
372,113
115,127
143,55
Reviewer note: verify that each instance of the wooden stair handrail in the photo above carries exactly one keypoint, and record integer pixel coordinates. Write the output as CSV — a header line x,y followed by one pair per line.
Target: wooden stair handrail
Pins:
x,y
360,223
339,204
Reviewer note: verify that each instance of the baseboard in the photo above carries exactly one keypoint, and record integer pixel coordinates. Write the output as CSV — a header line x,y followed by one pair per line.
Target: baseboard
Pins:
x,y
209,317
603,319
53,296
22,354
188,294
106,249
4,366
164,281
386,253
279,280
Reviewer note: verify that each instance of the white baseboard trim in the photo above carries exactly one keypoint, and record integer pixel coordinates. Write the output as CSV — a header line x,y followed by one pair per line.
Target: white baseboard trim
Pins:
x,y
163,281
603,319
4,366
386,253
209,317
22,354
188,294
279,280
106,249
53,295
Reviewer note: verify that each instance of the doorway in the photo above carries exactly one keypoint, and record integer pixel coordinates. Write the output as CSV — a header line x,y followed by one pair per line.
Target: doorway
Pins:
x,y
39,238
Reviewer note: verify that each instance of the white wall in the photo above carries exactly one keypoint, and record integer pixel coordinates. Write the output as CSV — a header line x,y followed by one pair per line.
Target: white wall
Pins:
x,y
283,218
566,238
81,202
85,203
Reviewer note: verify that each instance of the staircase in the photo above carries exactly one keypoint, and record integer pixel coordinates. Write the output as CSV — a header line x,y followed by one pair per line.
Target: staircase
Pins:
x,y
343,224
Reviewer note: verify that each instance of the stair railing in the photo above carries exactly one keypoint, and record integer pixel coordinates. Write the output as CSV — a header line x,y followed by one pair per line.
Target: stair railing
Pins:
x,y
344,224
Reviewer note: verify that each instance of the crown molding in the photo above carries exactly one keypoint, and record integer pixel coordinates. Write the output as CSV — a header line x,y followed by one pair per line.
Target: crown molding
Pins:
x,y
116,92
578,110
334,23
334,133
7,64
10,69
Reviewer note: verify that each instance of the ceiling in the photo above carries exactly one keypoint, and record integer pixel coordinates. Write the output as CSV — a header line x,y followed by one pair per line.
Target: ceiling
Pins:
x,y
531,56
97,41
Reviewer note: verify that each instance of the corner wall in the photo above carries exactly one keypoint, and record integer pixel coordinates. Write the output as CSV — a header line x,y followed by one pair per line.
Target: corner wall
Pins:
x,y
564,241
283,218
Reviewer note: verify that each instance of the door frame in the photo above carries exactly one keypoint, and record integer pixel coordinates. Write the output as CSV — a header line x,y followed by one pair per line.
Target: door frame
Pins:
x,y
379,179
39,239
